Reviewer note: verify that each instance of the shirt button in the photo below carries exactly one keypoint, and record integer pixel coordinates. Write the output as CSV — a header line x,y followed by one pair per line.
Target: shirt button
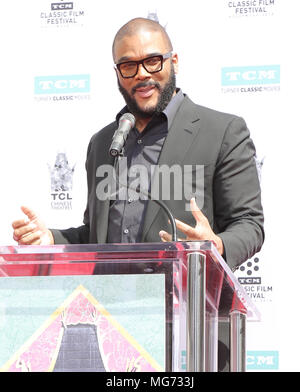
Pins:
x,y
126,231
130,200
139,141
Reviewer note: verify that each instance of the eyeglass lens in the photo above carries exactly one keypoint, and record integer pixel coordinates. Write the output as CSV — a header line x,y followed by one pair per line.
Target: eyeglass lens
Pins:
x,y
151,65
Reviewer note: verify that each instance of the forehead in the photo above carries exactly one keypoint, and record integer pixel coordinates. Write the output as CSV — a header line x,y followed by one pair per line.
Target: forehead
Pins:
x,y
140,45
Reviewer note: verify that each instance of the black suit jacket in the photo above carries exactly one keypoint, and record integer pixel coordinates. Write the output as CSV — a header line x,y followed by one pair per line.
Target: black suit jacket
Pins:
x,y
232,198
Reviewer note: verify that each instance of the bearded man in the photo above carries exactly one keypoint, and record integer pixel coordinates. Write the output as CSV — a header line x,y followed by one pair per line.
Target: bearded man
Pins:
x,y
169,130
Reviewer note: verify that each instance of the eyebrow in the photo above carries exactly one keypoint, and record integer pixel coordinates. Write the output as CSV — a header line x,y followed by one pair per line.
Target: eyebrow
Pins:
x,y
126,58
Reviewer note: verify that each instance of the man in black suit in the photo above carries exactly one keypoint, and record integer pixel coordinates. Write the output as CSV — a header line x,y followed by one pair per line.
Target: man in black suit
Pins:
x,y
169,130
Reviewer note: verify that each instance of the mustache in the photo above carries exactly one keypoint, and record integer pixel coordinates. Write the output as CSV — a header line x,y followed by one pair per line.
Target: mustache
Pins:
x,y
146,84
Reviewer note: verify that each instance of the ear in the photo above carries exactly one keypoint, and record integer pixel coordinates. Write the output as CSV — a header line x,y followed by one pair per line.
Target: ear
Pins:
x,y
175,62
117,73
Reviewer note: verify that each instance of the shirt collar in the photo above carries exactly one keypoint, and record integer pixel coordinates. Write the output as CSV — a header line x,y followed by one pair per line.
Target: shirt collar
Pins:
x,y
169,111
173,106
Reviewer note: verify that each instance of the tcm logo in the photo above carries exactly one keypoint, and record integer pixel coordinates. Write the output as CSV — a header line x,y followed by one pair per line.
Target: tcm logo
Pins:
x,y
252,75
66,84
61,6
262,360
251,280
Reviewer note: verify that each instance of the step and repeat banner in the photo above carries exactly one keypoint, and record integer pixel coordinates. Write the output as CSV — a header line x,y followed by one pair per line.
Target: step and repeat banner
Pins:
x,y
58,88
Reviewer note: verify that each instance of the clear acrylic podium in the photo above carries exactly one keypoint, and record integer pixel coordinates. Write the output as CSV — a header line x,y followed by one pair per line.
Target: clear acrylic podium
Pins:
x,y
149,306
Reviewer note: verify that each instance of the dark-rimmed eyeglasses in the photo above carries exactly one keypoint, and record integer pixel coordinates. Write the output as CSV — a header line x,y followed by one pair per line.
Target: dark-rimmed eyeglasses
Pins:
x,y
152,64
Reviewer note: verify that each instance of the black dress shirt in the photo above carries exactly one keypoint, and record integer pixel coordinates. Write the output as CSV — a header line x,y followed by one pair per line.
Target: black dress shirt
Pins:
x,y
141,153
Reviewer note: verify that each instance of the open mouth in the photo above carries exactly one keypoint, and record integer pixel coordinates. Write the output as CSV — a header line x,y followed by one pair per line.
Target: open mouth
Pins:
x,y
145,92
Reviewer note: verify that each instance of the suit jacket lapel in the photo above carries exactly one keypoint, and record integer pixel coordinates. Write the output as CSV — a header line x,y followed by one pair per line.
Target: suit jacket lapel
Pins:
x,y
180,138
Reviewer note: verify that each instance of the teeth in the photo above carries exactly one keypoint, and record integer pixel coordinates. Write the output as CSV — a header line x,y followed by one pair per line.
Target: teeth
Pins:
x,y
144,88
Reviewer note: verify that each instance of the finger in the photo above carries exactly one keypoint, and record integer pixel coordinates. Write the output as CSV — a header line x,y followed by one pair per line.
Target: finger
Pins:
x,y
36,242
186,229
30,213
30,238
15,237
164,236
197,213
19,223
24,230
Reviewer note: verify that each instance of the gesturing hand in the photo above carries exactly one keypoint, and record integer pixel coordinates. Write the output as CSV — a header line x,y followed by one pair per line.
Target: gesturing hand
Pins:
x,y
201,232
31,231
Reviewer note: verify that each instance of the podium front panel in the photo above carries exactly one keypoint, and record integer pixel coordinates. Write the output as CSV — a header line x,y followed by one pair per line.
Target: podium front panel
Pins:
x,y
110,307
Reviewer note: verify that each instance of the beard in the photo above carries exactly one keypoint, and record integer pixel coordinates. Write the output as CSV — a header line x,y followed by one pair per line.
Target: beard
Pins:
x,y
165,96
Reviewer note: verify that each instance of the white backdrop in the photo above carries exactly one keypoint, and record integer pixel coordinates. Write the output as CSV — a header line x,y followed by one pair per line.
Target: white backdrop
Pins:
x,y
71,51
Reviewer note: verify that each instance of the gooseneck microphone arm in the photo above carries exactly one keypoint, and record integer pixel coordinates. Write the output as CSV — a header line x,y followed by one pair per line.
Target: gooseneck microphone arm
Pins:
x,y
148,194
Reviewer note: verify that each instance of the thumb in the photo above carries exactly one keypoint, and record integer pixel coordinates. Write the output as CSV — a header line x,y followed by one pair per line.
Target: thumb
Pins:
x,y
30,213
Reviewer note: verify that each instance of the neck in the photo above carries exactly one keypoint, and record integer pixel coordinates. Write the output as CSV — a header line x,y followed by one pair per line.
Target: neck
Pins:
x,y
141,123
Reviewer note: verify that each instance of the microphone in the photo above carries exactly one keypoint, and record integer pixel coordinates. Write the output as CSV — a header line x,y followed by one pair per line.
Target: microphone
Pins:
x,y
126,123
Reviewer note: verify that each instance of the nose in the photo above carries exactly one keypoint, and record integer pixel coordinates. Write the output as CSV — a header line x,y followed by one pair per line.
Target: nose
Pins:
x,y
142,73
